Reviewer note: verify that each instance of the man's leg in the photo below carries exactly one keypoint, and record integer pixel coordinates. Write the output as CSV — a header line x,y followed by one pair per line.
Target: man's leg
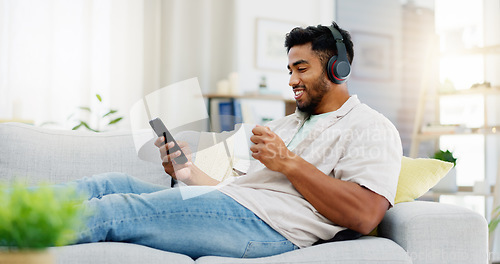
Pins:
x,y
207,224
100,185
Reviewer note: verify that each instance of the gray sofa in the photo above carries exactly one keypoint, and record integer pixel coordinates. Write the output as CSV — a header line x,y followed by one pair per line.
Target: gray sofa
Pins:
x,y
414,232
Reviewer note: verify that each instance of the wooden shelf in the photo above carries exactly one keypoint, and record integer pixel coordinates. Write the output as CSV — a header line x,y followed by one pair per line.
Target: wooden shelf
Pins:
x,y
482,90
472,51
420,134
462,191
254,96
290,104
491,130
434,196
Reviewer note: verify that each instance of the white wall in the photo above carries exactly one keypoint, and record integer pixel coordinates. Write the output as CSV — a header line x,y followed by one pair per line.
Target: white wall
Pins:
x,y
297,12
184,39
380,17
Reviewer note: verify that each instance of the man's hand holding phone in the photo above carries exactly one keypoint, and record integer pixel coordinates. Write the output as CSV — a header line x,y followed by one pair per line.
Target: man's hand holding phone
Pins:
x,y
176,158
174,161
169,155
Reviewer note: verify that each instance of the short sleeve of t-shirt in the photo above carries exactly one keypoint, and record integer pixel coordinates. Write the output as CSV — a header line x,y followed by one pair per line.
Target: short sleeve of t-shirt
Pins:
x,y
372,156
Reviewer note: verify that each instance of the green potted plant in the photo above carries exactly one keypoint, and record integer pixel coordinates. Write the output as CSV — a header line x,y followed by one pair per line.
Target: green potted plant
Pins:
x,y
95,119
495,220
104,117
33,219
449,182
445,155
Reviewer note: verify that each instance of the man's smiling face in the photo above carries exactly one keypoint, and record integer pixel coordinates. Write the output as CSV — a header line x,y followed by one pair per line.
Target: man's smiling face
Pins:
x,y
307,78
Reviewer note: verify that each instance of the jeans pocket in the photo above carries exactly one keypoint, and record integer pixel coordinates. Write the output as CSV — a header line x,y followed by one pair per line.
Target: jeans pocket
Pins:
x,y
257,249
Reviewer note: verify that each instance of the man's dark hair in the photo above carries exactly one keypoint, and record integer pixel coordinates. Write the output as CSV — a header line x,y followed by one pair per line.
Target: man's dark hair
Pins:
x,y
321,39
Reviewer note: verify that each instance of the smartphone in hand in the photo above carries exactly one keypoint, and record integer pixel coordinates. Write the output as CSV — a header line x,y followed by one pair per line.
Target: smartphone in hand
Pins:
x,y
162,131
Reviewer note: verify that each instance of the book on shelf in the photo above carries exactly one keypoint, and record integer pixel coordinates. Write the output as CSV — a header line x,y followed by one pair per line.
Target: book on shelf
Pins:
x,y
225,114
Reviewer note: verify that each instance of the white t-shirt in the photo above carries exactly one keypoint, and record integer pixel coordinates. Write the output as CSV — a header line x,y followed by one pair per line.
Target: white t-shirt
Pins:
x,y
305,130
354,143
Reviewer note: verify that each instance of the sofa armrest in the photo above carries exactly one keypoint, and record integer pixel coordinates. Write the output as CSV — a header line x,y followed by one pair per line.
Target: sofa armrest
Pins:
x,y
437,233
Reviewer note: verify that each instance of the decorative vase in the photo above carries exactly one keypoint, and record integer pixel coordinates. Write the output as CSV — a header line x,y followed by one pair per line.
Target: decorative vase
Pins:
x,y
26,257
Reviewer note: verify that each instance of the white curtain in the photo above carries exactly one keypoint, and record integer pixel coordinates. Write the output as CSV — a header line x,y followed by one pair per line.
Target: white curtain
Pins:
x,y
55,55
187,39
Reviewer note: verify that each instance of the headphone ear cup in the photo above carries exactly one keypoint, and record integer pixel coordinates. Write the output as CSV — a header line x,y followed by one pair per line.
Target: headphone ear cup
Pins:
x,y
338,71
330,69
338,66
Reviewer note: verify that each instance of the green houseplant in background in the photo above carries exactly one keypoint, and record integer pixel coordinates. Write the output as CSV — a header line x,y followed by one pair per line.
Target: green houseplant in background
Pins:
x,y
495,220
448,184
104,117
445,155
33,219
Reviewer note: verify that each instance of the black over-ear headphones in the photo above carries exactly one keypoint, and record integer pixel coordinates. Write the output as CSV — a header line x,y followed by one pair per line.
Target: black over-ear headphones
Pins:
x,y
338,67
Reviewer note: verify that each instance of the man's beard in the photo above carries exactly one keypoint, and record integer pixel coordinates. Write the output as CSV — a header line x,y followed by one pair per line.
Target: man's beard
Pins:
x,y
315,93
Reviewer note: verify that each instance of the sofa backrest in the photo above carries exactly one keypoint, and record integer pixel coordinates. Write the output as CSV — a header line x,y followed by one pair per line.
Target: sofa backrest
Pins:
x,y
38,155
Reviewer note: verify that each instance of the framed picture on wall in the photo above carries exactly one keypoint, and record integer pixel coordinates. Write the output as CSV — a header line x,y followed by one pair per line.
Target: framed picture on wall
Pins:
x,y
373,56
270,53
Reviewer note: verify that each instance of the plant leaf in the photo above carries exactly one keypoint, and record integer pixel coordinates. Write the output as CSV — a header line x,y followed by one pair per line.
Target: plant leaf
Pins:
x,y
77,126
98,97
38,218
110,113
86,108
88,127
114,121
492,225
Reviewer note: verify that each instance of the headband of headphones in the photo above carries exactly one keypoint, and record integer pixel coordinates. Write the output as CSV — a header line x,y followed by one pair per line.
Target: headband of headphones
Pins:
x,y
338,67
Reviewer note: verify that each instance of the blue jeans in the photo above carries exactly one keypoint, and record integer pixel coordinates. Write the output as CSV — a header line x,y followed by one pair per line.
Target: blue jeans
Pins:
x,y
195,221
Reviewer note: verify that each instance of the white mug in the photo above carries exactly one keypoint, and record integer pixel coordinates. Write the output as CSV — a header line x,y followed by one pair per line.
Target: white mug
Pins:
x,y
242,141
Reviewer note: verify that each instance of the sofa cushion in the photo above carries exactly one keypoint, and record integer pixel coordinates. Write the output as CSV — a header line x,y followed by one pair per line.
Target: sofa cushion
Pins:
x,y
373,250
113,252
37,154
417,176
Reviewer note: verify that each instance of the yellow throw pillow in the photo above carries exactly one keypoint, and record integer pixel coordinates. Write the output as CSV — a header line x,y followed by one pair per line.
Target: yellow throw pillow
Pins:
x,y
417,176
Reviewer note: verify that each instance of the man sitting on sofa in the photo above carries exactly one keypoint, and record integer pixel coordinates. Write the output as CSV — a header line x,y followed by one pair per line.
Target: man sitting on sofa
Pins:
x,y
331,166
